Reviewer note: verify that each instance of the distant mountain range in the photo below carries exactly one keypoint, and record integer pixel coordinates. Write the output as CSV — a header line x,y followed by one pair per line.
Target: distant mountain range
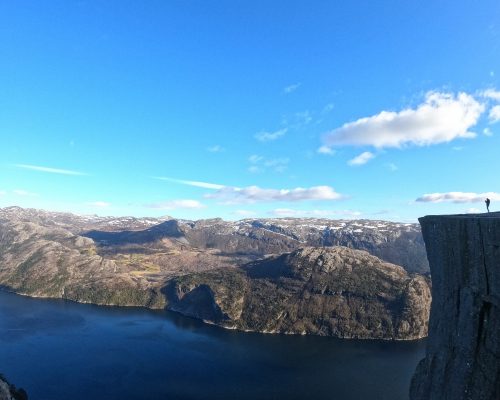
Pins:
x,y
139,261
398,243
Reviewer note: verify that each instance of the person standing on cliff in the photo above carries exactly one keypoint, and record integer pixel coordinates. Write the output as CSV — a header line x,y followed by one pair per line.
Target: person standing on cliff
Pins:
x,y
487,201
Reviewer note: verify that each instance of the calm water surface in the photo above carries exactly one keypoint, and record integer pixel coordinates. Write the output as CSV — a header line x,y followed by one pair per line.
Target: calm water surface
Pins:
x,y
57,349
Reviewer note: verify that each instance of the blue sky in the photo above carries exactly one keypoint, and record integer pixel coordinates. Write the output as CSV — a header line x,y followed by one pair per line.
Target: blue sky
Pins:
x,y
354,109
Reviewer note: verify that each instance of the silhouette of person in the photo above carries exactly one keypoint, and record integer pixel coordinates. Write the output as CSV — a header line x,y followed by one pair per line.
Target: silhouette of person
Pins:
x,y
487,201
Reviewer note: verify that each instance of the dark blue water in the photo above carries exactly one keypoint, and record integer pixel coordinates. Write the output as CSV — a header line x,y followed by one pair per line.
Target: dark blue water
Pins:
x,y
61,350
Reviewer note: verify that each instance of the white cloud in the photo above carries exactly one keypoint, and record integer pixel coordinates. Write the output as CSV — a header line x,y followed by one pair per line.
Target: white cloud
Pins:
x,y
48,169
21,192
491,94
287,212
3,192
458,197
216,149
291,88
176,204
99,204
472,211
494,114
270,136
204,185
441,118
252,194
326,150
361,159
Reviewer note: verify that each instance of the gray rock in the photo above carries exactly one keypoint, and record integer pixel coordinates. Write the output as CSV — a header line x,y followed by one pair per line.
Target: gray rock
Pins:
x,y
463,350
10,392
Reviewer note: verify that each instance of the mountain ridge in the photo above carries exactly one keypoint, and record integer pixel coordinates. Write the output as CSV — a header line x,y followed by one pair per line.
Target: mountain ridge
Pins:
x,y
398,243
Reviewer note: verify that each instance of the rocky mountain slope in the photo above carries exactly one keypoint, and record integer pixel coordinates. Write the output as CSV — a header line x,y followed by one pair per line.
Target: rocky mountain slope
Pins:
x,y
129,261
396,243
324,291
463,349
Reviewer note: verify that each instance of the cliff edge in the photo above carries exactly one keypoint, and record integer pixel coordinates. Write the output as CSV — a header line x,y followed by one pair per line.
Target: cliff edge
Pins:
x,y
463,349
10,392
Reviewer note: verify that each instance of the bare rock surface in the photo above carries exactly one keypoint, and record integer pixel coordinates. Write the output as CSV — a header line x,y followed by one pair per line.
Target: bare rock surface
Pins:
x,y
463,350
10,392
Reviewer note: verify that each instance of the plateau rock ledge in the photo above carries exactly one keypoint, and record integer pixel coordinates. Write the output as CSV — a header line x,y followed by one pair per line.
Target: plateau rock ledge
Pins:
x,y
463,350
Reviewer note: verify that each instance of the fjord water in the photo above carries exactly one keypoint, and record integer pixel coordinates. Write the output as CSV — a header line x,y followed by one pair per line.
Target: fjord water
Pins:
x,y
57,349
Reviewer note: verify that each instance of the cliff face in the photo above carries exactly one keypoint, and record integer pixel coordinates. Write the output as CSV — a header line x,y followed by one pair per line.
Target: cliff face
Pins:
x,y
463,350
9,391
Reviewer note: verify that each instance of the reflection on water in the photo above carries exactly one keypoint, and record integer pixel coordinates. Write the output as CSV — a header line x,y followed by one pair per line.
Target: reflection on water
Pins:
x,y
58,350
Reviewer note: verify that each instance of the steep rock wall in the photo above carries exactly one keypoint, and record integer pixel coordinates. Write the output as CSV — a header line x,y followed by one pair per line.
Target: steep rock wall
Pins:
x,y
463,349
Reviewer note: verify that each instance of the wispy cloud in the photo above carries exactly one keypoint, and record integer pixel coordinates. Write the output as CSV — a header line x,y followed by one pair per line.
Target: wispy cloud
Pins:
x,y
487,132
255,169
491,93
441,118
298,120
303,117
329,107
3,192
253,194
494,115
270,136
458,197
48,169
277,164
204,185
361,159
25,193
254,158
176,204
381,212
392,167
291,88
216,149
261,164
99,204
287,212
326,150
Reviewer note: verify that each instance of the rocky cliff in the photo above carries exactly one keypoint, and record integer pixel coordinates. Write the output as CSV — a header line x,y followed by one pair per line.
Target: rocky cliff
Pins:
x,y
10,392
463,349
